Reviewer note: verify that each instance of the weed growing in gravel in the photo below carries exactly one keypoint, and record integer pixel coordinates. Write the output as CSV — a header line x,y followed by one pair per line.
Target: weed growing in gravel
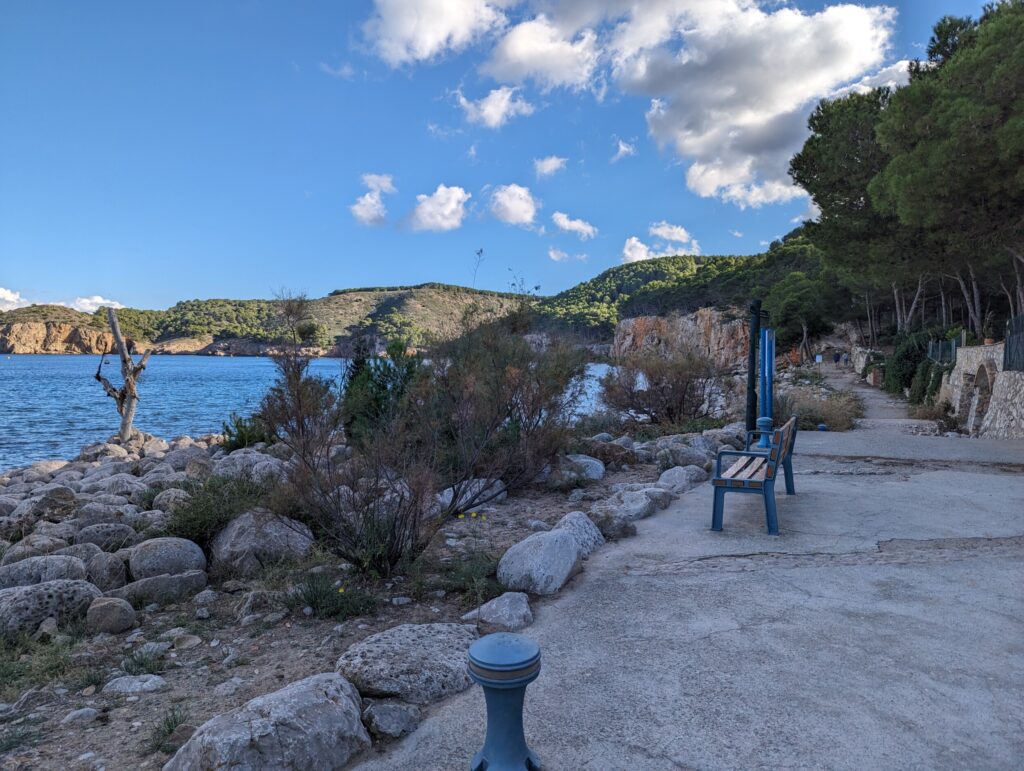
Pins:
x,y
472,577
140,662
19,737
164,729
25,662
328,601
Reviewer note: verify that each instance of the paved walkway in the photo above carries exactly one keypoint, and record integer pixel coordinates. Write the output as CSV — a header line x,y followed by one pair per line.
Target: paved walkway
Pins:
x,y
884,628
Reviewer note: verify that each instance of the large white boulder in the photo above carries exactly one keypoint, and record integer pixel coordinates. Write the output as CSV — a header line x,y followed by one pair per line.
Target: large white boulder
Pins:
x,y
681,478
590,468
159,556
540,563
255,539
588,536
36,570
24,608
510,611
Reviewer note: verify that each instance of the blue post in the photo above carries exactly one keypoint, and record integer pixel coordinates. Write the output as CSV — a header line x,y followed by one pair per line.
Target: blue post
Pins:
x,y
503,664
767,376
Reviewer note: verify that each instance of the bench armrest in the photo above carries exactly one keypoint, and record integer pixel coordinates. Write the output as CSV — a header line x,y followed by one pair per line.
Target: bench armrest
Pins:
x,y
756,432
735,454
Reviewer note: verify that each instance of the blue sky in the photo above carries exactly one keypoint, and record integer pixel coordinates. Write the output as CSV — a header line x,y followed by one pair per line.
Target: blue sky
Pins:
x,y
157,152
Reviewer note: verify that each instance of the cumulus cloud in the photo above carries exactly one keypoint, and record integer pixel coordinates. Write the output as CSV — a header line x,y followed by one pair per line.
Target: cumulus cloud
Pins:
x,y
92,303
9,300
537,49
545,167
672,240
369,208
581,228
407,31
514,205
668,232
559,256
623,150
736,233
444,209
495,109
341,72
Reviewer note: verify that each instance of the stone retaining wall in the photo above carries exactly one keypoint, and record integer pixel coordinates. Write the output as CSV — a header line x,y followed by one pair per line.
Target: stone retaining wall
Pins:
x,y
986,400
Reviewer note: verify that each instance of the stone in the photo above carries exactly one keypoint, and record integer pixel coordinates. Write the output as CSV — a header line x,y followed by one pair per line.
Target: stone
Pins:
x,y
24,608
628,504
80,716
681,478
249,463
612,527
541,563
31,545
660,497
198,469
46,631
205,597
681,455
132,684
110,614
183,642
590,468
154,446
84,551
107,571
588,536
418,663
311,723
510,611
391,719
36,570
228,687
171,499
159,556
109,536
162,590
473,492
255,539
538,526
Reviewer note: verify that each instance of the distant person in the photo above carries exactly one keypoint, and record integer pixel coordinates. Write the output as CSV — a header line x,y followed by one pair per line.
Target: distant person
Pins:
x,y
835,359
846,360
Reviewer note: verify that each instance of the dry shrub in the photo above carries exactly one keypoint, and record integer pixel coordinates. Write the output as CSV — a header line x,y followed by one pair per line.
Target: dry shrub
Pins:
x,y
838,410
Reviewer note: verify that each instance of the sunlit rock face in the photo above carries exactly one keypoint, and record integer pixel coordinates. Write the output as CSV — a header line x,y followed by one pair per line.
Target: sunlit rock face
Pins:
x,y
722,335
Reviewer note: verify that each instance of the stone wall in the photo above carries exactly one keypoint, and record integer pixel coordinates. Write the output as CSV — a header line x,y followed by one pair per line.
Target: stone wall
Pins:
x,y
1005,416
985,400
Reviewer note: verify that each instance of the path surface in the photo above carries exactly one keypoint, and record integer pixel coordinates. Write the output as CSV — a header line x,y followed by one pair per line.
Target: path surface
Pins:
x,y
884,628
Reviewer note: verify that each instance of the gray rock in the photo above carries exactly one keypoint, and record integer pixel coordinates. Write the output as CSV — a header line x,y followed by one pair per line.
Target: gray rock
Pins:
x,y
629,505
152,520
681,478
312,723
81,716
249,463
538,526
162,590
110,614
107,571
159,556
660,497
588,536
418,663
130,684
171,499
84,551
625,441
31,546
391,719
154,446
95,513
510,611
255,539
109,536
591,468
474,492
682,455
24,608
36,570
541,563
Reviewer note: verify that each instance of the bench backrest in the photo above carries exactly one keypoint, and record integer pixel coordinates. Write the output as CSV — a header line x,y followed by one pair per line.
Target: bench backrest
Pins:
x,y
781,446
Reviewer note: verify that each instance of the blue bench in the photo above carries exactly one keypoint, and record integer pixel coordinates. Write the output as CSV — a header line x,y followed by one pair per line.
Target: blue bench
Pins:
x,y
755,471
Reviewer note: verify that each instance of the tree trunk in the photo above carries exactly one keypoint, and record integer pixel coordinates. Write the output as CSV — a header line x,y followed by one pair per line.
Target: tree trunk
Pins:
x,y
127,396
972,299
896,308
942,304
909,315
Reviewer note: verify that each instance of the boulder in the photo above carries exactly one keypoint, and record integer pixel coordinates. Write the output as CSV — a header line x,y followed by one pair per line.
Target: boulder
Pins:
x,y
590,468
116,484
391,719
109,614
249,464
510,611
681,455
84,551
628,504
418,663
660,497
154,446
159,556
171,499
161,590
473,492
36,570
255,539
24,608
97,512
109,536
32,546
588,536
107,571
133,684
311,723
681,478
541,563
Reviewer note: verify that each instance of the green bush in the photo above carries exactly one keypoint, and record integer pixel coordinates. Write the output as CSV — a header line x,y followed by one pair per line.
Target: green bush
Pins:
x,y
242,432
919,384
901,366
213,504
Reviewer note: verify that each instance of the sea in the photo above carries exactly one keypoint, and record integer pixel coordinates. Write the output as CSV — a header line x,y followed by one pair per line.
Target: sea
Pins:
x,y
51,405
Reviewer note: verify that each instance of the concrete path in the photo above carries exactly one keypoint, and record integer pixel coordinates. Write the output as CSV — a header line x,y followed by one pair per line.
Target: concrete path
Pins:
x,y
884,628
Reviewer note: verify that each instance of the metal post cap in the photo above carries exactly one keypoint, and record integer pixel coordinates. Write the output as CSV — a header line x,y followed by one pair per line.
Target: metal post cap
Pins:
x,y
504,660
764,424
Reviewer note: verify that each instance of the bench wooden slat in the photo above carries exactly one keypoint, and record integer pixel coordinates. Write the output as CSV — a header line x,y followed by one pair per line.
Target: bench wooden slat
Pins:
x,y
756,465
736,468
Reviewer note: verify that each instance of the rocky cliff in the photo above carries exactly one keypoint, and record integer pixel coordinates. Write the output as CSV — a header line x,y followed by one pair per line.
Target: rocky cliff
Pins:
x,y
53,337
722,335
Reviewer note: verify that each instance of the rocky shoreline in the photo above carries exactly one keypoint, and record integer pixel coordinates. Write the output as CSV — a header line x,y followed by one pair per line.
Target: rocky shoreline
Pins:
x,y
162,624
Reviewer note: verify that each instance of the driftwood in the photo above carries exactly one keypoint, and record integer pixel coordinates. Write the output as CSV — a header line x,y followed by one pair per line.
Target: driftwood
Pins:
x,y
126,397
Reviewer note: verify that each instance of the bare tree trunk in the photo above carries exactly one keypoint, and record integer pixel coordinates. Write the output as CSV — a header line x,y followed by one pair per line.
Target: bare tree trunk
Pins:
x,y
909,315
972,299
896,308
942,303
127,396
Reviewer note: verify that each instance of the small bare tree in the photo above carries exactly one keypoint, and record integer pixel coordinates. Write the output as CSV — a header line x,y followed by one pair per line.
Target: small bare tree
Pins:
x,y
126,397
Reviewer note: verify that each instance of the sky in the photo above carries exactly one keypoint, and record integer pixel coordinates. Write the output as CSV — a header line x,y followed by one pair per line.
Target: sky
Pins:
x,y
155,152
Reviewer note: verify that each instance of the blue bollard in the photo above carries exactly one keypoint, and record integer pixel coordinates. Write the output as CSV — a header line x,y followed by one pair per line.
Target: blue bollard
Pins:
x,y
503,664
822,427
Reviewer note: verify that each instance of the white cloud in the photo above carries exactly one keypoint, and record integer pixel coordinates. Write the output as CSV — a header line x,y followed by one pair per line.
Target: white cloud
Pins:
x,y
539,50
624,150
495,109
812,212
557,254
9,300
581,228
513,205
369,208
444,209
893,76
545,167
669,232
736,233
92,303
673,240
407,31
635,250
341,72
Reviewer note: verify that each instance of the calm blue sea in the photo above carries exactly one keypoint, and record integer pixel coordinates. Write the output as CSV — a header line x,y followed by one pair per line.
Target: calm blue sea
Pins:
x,y
50,406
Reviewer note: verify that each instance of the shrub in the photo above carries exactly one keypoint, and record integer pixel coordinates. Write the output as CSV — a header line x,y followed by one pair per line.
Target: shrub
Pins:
x,y
838,411
919,384
942,411
327,601
213,504
141,662
901,366
242,432
164,729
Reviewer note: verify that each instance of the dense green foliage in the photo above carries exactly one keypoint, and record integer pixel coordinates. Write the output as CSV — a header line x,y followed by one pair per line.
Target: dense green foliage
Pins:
x,y
213,504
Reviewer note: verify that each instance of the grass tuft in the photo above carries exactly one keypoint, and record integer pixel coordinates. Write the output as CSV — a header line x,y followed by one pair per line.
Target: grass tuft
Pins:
x,y
159,738
327,601
140,662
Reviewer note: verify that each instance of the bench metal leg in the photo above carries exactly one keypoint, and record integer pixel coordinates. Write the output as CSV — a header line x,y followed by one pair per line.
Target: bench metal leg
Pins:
x,y
787,467
719,507
769,510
